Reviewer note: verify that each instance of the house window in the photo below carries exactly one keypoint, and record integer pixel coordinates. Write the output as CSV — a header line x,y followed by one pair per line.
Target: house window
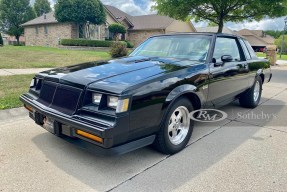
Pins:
x,y
81,31
107,33
46,29
37,30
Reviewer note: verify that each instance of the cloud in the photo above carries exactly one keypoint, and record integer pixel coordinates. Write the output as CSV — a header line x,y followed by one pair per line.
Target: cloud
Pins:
x,y
265,24
132,7
143,7
51,1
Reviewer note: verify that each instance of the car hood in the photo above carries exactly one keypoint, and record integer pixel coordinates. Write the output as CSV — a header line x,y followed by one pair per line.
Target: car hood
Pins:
x,y
127,70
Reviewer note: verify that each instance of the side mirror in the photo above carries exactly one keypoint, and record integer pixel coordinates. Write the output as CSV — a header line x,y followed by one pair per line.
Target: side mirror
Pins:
x,y
226,58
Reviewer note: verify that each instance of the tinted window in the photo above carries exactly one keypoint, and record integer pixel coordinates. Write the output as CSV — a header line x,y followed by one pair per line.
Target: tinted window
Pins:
x,y
226,46
246,52
250,49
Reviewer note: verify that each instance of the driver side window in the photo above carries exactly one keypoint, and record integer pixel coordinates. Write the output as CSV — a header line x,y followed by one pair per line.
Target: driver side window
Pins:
x,y
226,46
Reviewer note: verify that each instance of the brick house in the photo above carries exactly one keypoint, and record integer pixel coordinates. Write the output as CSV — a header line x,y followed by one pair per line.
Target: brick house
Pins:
x,y
257,38
47,31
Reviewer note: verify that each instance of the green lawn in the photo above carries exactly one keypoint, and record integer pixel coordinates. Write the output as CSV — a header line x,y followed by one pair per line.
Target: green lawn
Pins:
x,y
260,54
14,57
11,88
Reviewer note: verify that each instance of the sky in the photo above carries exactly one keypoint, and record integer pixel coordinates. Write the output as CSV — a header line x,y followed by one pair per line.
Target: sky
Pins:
x,y
143,7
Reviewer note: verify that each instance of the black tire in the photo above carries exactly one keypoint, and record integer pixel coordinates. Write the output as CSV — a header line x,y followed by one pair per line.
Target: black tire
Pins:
x,y
247,99
162,142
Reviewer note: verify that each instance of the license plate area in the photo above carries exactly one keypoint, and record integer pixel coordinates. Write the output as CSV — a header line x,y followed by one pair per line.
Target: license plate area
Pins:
x,y
49,124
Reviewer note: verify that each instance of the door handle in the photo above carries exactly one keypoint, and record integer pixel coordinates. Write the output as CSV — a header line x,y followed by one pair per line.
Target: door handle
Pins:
x,y
220,64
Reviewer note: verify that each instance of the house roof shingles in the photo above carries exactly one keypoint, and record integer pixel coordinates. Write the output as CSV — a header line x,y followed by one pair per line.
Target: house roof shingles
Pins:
x,y
143,22
256,37
151,22
50,18
118,14
214,30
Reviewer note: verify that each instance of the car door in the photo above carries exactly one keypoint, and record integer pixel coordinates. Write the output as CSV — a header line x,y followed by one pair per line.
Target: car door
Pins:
x,y
230,78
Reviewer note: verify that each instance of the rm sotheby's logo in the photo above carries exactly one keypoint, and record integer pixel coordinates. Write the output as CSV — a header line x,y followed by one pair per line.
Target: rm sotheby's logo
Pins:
x,y
208,115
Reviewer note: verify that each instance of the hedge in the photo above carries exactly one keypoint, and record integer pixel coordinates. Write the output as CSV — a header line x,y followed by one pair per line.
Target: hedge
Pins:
x,y
86,42
129,44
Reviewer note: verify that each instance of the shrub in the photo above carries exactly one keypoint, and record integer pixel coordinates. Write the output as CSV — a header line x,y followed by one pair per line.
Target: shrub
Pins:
x,y
117,28
14,43
129,44
118,49
86,42
1,40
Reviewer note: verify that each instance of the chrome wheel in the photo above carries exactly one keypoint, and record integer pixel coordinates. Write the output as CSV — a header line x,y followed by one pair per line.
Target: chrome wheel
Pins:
x,y
178,126
256,91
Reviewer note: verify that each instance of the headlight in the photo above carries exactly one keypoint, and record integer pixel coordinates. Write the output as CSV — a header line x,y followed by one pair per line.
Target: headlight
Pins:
x,y
33,83
113,102
97,98
121,105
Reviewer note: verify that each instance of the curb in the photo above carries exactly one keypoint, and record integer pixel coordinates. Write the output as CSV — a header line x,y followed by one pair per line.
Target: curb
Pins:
x,y
13,113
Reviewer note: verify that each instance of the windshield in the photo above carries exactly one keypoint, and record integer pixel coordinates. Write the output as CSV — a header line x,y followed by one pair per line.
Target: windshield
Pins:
x,y
191,47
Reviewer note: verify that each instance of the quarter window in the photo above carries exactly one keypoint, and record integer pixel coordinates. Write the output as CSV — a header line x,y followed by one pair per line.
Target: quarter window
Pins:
x,y
246,52
226,46
250,49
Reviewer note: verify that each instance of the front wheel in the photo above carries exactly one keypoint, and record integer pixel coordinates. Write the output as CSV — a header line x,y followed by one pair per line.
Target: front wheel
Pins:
x,y
252,98
176,129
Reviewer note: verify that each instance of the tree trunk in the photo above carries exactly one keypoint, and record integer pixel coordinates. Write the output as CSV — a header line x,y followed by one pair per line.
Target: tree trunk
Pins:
x,y
220,26
116,36
18,39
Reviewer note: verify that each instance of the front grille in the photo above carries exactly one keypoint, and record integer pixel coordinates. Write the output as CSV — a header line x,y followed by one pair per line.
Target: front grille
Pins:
x,y
60,97
47,93
66,99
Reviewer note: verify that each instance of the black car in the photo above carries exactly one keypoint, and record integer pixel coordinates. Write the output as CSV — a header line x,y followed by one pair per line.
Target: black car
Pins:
x,y
116,106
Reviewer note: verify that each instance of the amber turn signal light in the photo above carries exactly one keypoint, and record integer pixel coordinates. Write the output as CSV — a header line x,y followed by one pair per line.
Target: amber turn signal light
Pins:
x,y
89,136
29,108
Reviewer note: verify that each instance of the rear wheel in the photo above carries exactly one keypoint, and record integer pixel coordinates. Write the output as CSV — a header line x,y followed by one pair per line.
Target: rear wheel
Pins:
x,y
177,128
252,98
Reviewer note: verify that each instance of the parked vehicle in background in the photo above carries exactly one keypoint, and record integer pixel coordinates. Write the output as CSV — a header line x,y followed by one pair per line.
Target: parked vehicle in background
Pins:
x,y
117,106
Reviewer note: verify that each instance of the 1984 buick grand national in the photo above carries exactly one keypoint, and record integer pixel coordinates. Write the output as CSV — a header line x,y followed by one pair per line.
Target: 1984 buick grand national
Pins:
x,y
116,106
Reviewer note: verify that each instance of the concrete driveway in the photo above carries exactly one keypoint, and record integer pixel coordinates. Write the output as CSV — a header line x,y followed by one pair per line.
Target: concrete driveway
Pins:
x,y
242,153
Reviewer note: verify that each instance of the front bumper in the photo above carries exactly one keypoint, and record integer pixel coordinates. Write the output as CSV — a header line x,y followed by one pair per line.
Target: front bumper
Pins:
x,y
115,137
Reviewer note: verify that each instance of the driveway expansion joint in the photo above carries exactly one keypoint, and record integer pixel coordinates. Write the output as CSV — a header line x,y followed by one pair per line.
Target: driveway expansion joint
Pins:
x,y
153,165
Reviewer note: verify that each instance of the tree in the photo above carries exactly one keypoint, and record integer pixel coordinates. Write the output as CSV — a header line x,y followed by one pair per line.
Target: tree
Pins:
x,y
221,11
1,40
117,29
81,12
41,7
278,43
275,34
211,24
13,13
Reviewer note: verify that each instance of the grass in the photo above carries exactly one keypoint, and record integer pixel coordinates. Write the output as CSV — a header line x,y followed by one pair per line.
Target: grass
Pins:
x,y
260,54
11,88
20,57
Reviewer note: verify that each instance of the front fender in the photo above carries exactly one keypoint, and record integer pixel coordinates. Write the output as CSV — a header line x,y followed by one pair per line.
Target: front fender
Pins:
x,y
186,89
181,90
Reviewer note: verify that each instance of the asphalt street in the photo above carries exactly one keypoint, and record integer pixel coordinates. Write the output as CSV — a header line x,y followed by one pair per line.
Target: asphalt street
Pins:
x,y
245,152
